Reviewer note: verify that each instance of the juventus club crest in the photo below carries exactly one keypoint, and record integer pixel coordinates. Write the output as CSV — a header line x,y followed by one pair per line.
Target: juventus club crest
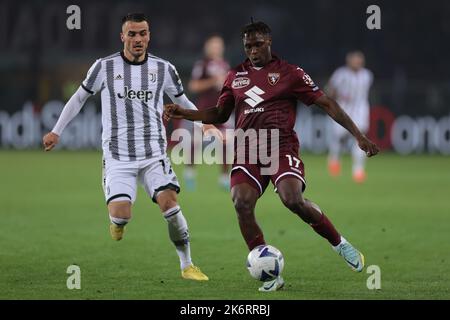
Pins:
x,y
152,77
273,78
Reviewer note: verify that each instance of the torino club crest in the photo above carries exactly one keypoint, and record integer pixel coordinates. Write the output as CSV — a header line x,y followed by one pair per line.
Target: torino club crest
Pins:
x,y
273,78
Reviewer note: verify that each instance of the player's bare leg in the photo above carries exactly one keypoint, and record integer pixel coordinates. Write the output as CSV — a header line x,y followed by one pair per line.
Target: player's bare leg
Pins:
x,y
178,233
244,200
290,192
120,215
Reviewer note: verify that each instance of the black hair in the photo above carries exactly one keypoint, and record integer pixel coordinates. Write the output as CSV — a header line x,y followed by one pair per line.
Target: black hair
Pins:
x,y
135,17
259,27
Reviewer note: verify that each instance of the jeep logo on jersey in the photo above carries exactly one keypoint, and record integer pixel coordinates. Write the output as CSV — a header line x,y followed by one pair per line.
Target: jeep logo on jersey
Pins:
x,y
241,82
144,95
273,78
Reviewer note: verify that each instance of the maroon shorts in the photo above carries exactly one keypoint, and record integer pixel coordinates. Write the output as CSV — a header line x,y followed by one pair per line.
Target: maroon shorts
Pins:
x,y
289,166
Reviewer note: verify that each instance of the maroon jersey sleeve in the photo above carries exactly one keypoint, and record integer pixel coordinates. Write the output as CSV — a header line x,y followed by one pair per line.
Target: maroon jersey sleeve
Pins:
x,y
304,87
226,94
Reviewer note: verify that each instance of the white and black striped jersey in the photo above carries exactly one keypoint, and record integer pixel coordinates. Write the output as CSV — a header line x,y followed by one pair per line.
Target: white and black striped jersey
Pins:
x,y
132,104
352,89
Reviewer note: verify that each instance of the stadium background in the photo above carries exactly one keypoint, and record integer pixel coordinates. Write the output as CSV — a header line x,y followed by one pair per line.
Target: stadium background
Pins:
x,y
42,63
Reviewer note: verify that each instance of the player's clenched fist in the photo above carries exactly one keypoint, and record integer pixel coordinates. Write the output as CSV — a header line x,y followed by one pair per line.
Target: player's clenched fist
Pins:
x,y
50,140
173,111
368,146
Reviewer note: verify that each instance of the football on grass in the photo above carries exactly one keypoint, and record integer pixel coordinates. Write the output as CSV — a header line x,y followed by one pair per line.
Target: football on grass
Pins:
x,y
265,262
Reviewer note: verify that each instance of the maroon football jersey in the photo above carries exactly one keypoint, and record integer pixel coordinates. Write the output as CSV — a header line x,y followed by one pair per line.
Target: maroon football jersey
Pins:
x,y
205,69
266,98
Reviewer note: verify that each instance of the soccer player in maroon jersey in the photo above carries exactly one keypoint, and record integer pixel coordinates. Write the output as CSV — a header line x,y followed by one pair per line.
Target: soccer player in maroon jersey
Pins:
x,y
263,91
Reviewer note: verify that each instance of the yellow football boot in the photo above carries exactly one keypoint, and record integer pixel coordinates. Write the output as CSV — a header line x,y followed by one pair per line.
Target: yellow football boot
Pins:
x,y
194,273
116,231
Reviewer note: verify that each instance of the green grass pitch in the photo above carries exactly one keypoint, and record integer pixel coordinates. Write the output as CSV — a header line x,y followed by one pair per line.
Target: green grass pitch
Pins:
x,y
53,215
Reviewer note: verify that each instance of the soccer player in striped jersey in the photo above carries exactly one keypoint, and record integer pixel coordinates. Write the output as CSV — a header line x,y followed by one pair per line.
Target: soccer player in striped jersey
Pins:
x,y
132,84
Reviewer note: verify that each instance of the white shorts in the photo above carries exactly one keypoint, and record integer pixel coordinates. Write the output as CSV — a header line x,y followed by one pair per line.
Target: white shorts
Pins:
x,y
120,178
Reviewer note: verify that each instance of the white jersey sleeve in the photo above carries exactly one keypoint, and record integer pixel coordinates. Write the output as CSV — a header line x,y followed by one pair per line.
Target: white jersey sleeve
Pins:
x,y
174,89
71,109
94,79
172,84
184,102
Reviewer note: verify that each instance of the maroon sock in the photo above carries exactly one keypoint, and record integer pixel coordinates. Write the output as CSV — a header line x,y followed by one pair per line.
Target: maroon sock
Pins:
x,y
326,229
257,241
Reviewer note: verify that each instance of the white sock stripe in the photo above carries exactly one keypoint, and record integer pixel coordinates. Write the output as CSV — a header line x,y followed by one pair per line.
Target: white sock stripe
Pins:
x,y
182,242
171,212
118,221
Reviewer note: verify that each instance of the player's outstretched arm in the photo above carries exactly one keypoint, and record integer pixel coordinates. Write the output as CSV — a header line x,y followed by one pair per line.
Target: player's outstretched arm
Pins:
x,y
71,109
187,104
219,114
332,108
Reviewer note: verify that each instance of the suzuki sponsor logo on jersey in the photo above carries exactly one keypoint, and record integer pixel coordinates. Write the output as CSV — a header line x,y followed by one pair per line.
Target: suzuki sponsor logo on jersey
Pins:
x,y
253,110
143,95
240,82
254,98
273,78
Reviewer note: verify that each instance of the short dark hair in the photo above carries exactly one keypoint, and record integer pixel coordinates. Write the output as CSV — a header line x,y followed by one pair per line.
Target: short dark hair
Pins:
x,y
135,17
257,26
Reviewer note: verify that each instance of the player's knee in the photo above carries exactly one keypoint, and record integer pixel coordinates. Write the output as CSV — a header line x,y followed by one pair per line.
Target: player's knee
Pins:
x,y
244,206
167,204
293,202
120,209
166,200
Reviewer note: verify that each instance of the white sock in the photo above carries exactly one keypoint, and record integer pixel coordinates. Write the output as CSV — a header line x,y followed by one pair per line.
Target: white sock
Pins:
x,y
334,149
359,158
340,243
118,221
179,234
